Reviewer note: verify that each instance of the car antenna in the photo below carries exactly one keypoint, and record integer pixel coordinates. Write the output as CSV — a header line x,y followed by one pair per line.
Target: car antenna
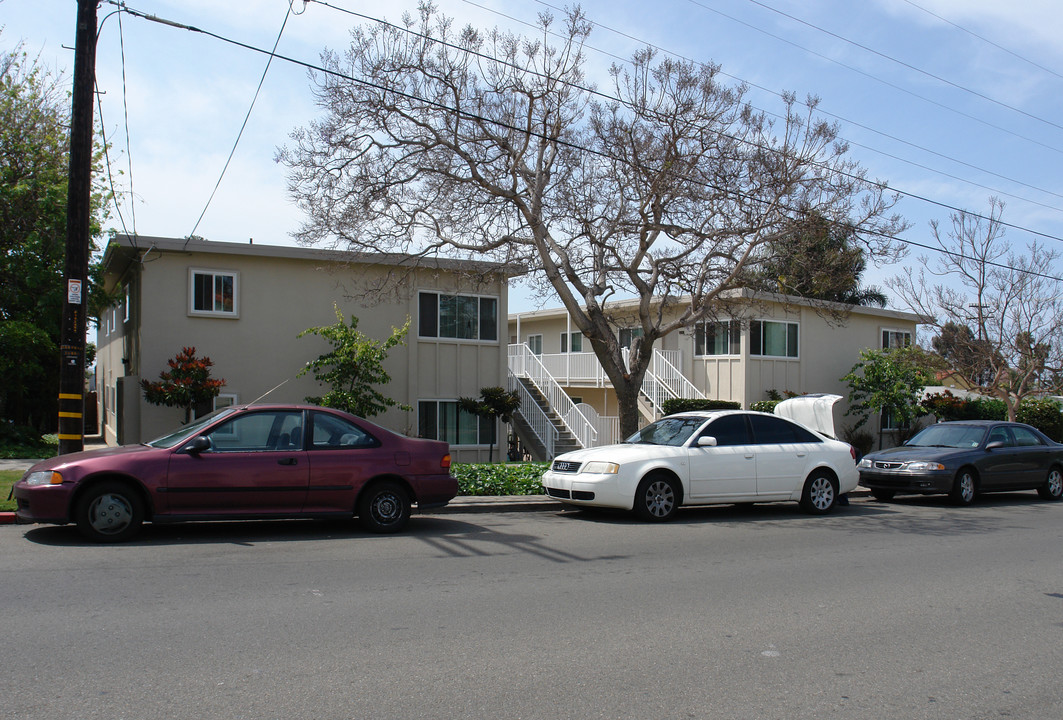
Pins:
x,y
267,392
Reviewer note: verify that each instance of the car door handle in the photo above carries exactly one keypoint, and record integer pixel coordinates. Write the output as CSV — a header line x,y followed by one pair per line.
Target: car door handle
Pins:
x,y
288,461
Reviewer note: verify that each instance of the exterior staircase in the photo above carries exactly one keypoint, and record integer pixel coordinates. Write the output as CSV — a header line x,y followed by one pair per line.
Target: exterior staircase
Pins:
x,y
543,446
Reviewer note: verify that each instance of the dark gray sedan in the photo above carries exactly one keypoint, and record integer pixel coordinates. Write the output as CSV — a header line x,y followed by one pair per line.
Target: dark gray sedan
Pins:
x,y
961,459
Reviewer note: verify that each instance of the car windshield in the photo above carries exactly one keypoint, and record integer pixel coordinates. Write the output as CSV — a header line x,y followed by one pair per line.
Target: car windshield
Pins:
x,y
949,436
668,431
179,436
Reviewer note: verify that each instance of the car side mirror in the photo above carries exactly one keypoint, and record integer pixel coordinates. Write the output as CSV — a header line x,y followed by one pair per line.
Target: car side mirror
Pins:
x,y
199,445
995,445
706,441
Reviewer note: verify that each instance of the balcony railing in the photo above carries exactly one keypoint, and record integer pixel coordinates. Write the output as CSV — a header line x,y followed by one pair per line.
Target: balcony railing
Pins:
x,y
524,363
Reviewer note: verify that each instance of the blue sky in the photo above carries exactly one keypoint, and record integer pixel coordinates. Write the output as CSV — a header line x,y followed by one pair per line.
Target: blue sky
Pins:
x,y
950,101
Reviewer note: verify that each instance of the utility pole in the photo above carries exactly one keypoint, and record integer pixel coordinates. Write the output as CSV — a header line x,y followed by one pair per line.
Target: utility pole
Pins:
x,y
72,338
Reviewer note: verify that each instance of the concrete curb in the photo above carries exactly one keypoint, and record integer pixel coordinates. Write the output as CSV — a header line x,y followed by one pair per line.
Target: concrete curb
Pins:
x,y
7,518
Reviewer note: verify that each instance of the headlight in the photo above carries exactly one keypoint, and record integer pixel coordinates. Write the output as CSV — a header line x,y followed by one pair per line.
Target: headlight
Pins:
x,y
43,477
921,465
865,463
600,468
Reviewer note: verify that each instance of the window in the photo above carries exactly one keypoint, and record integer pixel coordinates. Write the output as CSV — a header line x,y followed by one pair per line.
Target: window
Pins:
x,y
126,318
444,420
896,339
573,341
889,422
331,432
629,334
259,432
461,317
213,292
728,430
535,343
1025,438
224,400
718,338
770,338
773,430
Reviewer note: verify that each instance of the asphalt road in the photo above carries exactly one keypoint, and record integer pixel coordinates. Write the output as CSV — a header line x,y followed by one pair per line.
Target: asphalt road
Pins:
x,y
908,610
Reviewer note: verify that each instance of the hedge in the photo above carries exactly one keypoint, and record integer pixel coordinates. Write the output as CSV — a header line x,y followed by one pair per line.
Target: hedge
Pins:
x,y
499,479
678,405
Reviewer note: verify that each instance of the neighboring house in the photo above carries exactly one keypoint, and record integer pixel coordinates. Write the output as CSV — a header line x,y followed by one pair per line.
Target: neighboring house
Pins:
x,y
774,343
243,305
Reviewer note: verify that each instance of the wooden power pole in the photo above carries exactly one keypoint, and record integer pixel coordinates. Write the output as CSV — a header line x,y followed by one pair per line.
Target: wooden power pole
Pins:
x,y
72,339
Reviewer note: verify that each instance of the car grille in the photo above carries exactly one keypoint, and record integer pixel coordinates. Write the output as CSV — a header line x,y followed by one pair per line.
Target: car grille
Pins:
x,y
565,466
888,465
566,495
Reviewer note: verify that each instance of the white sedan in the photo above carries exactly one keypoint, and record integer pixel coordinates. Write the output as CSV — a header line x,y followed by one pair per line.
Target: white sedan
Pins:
x,y
703,458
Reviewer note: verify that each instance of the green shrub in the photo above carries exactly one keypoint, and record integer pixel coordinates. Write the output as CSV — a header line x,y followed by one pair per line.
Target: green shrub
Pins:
x,y
861,439
1044,415
499,479
24,442
946,406
679,405
767,406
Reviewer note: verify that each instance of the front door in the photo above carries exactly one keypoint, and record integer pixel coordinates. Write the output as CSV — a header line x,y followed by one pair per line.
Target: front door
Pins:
x,y
729,469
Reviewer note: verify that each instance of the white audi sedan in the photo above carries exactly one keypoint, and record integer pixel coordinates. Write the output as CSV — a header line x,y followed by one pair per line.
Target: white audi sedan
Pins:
x,y
704,458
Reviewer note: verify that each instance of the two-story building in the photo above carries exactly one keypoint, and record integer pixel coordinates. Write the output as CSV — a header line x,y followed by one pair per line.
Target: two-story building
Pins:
x,y
244,305
768,344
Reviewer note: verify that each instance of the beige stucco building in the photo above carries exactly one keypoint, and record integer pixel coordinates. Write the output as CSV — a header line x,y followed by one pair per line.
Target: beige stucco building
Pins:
x,y
769,343
243,305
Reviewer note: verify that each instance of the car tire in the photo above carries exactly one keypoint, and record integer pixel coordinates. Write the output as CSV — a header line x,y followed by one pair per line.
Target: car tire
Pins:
x,y
963,488
820,494
109,512
657,498
1053,487
883,495
384,507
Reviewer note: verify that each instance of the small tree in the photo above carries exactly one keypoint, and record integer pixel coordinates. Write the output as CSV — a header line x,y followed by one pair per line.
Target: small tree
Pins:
x,y
187,385
889,381
494,403
353,366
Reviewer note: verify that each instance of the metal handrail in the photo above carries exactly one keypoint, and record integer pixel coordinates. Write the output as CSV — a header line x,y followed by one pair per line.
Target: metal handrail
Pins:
x,y
524,363
535,416
673,378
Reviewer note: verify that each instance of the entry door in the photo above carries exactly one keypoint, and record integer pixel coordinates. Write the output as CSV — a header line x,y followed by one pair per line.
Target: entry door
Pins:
x,y
257,464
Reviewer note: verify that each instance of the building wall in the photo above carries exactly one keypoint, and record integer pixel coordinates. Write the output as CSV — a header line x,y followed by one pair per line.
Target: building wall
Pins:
x,y
259,349
828,347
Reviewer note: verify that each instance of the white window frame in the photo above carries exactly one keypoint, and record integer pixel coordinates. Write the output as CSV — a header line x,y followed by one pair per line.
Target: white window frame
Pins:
x,y
787,323
569,341
439,324
213,273
481,424
730,327
227,400
535,343
891,332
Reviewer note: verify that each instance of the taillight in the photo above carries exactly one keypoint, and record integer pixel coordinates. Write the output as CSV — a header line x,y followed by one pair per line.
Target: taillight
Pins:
x,y
445,462
852,451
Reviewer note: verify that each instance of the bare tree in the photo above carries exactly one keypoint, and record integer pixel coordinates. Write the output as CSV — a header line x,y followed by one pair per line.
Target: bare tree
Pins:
x,y
494,146
998,314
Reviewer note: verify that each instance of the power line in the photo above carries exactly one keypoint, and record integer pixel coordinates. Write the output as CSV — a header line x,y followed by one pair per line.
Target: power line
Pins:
x,y
824,112
479,118
902,63
986,40
243,125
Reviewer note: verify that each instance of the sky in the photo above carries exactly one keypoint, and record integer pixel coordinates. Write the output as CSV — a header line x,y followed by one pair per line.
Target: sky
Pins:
x,y
950,102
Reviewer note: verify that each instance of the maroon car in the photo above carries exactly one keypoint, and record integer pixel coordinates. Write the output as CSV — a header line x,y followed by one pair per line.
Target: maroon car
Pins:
x,y
243,462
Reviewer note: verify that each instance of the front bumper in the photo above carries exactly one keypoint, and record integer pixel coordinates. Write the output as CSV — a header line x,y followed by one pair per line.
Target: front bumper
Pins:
x,y
42,503
588,490
925,483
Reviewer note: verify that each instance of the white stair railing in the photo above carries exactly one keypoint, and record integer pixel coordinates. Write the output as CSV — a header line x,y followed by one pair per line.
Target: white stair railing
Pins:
x,y
524,363
671,377
537,419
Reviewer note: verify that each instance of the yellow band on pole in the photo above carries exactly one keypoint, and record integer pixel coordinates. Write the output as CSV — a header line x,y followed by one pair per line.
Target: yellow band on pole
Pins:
x,y
69,396
70,437
70,415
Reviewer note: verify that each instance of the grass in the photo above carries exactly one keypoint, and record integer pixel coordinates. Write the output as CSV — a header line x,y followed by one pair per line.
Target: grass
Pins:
x,y
7,479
